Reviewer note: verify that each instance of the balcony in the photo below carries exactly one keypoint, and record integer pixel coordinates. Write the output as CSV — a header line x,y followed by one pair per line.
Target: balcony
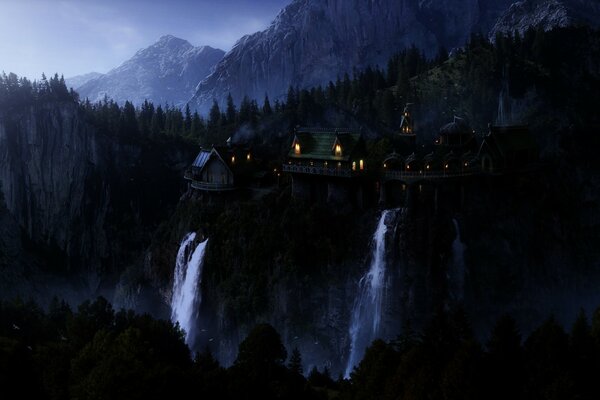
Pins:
x,y
212,187
324,171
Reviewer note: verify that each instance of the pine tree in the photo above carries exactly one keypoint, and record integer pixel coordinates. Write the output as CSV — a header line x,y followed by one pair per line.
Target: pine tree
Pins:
x,y
295,364
231,111
214,116
267,106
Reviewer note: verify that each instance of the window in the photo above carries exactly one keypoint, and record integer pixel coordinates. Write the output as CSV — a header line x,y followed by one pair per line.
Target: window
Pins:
x,y
362,165
353,165
233,159
338,150
297,148
248,157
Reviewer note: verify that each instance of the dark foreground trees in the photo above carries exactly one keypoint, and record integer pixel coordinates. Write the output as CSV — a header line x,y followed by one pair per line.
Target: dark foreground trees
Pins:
x,y
97,353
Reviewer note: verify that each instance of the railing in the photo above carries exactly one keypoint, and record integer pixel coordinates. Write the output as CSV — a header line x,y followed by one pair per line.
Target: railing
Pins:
x,y
210,186
315,170
425,175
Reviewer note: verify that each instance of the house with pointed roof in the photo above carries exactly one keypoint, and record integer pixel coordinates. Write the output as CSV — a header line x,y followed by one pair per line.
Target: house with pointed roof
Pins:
x,y
219,169
507,148
325,164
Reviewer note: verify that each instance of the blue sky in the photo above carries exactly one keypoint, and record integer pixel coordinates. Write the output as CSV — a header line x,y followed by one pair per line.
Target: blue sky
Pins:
x,y
72,37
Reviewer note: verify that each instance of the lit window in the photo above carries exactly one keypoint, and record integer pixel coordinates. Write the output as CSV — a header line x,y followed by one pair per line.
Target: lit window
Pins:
x,y
384,165
362,165
427,166
233,159
446,166
407,166
466,164
248,157
325,164
297,148
353,165
338,150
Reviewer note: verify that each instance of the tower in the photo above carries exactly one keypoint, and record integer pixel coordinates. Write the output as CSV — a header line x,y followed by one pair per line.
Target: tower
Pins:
x,y
406,139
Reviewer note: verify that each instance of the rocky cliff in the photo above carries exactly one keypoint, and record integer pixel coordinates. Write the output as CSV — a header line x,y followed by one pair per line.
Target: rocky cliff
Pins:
x,y
314,41
167,71
82,203
546,15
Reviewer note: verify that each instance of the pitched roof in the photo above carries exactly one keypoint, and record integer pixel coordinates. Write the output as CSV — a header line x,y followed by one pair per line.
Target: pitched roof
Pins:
x,y
511,138
319,144
205,155
201,159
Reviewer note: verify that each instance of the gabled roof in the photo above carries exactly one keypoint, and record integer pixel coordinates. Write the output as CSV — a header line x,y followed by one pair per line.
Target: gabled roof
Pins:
x,y
319,144
206,155
201,159
511,138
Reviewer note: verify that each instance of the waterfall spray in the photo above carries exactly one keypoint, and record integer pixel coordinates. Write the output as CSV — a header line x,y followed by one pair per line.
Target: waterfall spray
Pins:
x,y
458,265
186,285
366,315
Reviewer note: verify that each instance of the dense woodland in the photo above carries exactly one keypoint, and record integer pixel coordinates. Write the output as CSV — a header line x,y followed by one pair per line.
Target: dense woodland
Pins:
x,y
96,352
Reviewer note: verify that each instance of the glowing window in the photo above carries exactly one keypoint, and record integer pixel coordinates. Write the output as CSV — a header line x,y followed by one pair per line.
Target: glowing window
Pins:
x,y
248,157
233,159
362,165
338,150
353,165
297,148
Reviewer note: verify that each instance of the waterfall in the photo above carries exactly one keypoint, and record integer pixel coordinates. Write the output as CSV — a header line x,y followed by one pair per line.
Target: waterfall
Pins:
x,y
366,314
457,274
186,284
501,120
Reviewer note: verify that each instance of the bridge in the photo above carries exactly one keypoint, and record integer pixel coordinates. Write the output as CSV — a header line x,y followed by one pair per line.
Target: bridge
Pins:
x,y
410,177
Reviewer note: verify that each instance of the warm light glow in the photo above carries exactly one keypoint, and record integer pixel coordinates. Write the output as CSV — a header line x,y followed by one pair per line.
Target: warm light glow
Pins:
x,y
384,165
325,163
408,167
248,157
339,164
362,165
338,150
427,166
297,148
353,165
466,164
232,159
446,166
311,163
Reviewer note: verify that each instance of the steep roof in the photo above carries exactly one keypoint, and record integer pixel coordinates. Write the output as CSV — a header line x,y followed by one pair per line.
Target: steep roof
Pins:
x,y
206,155
511,139
319,144
201,159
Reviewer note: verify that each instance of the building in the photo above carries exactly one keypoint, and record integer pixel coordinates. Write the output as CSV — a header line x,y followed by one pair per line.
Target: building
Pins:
x,y
507,148
327,165
221,168
406,138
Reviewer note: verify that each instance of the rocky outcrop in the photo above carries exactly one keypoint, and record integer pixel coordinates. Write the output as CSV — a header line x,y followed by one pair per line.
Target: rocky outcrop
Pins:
x,y
86,202
166,72
314,41
547,14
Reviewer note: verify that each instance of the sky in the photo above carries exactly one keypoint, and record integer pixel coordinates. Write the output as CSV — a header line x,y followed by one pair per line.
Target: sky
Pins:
x,y
73,37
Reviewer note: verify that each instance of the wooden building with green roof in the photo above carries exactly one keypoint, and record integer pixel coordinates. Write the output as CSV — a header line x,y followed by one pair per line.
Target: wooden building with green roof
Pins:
x,y
327,164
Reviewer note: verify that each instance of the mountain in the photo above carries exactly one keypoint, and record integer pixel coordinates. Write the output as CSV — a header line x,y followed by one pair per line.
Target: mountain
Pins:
x,y
313,41
167,71
547,14
80,80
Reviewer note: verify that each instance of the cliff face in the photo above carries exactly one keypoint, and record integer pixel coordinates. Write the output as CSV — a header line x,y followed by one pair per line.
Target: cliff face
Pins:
x,y
314,41
167,71
547,14
86,202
